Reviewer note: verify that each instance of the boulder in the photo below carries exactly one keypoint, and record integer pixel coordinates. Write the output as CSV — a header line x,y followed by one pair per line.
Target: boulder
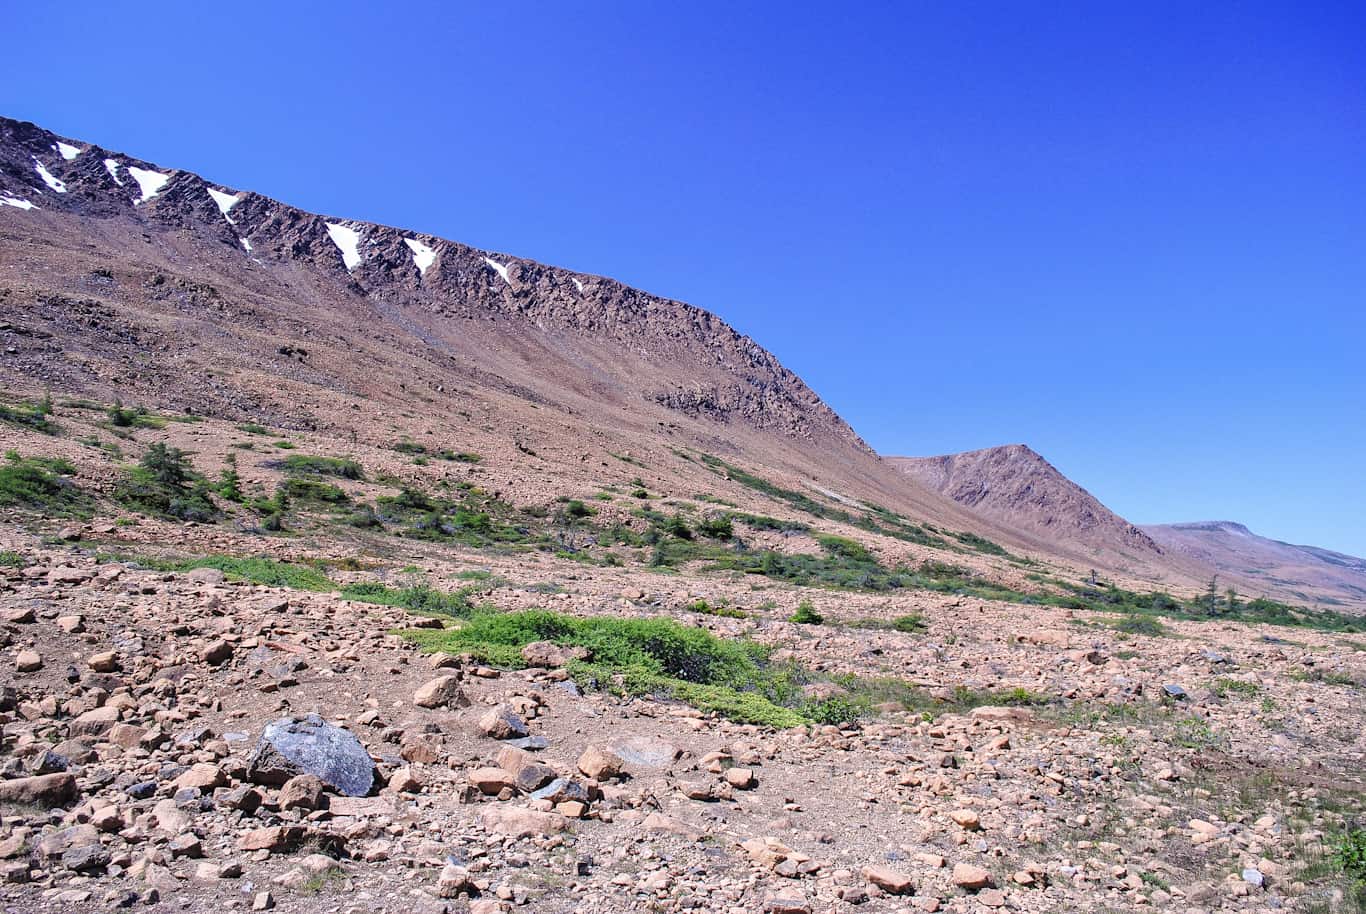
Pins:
x,y
292,746
599,764
42,790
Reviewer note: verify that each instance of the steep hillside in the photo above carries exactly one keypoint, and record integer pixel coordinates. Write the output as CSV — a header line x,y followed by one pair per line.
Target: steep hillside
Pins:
x,y
1315,575
1016,486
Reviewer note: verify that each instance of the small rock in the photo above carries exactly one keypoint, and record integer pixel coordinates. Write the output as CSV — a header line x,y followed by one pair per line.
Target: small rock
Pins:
x,y
501,723
441,692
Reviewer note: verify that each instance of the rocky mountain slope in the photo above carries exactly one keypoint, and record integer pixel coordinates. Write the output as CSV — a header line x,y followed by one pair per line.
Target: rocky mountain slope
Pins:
x,y
1016,486
344,569
1315,575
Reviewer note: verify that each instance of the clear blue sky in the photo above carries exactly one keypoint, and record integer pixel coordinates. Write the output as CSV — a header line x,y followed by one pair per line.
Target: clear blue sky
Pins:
x,y
1130,235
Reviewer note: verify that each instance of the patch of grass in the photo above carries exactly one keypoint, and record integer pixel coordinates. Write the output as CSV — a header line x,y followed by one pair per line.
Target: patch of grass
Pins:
x,y
28,416
312,465
42,484
706,609
417,597
1225,686
284,444
251,428
806,615
730,677
1326,677
10,559
254,570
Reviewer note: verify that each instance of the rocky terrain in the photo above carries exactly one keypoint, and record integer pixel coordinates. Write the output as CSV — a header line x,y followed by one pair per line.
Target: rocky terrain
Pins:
x,y
409,577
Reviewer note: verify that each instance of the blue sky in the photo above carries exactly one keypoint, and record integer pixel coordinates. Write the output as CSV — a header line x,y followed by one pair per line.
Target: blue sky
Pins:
x,y
1130,235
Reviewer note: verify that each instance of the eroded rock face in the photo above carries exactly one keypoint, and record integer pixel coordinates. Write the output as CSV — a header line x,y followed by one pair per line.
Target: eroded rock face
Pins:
x,y
309,745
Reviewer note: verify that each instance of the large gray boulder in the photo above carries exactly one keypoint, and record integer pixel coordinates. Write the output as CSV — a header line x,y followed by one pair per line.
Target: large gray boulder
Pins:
x,y
292,746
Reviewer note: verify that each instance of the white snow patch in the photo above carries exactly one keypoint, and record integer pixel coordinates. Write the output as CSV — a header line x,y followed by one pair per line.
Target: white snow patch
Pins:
x,y
47,177
577,283
150,182
225,202
7,200
347,241
245,243
499,268
68,151
423,256
112,166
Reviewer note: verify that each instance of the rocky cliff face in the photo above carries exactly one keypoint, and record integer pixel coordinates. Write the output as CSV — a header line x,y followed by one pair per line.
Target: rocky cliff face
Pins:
x,y
1015,486
108,251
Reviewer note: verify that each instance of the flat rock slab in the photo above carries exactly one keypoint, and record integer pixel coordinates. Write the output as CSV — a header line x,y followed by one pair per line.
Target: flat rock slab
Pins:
x,y
309,745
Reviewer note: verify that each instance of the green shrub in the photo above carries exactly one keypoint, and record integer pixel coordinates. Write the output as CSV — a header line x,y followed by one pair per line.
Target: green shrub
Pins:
x,y
911,624
1141,625
10,559
806,615
312,490
576,509
1349,854
164,482
310,465
251,428
717,528
410,447
41,484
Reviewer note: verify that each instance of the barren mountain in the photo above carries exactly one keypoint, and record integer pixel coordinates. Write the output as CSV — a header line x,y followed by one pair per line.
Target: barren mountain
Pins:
x,y
1314,575
1016,486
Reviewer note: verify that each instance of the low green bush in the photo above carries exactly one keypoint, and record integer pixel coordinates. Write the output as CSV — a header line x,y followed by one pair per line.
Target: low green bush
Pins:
x,y
312,465
42,484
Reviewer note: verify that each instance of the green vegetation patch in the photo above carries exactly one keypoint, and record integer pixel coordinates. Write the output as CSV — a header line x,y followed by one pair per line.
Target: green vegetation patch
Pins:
x,y
31,416
255,570
312,465
42,484
735,678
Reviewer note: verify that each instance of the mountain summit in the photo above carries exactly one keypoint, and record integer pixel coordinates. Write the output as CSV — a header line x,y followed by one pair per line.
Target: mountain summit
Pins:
x,y
1014,485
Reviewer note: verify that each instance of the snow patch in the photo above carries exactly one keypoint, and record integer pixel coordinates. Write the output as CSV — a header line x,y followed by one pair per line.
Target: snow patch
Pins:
x,y
246,244
499,268
112,166
67,151
347,241
225,202
577,283
150,182
47,177
423,256
16,202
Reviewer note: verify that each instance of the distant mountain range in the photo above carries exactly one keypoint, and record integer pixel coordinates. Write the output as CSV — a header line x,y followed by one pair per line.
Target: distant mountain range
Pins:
x,y
1015,486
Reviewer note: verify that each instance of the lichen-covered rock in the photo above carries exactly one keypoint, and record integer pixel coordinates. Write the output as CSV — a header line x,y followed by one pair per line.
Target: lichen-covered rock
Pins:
x,y
292,746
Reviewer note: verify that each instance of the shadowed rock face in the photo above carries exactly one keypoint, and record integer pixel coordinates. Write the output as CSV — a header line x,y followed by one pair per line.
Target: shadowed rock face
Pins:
x,y
267,267
1014,485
